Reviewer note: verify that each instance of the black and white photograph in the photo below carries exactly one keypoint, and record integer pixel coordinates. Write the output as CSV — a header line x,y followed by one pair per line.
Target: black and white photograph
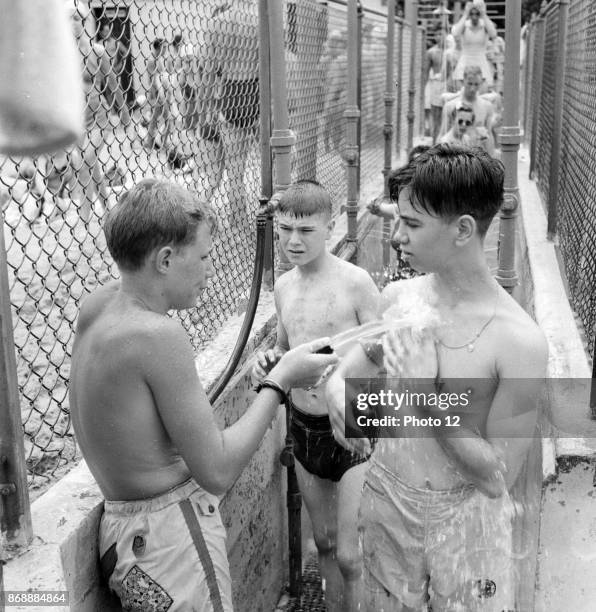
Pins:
x,y
298,305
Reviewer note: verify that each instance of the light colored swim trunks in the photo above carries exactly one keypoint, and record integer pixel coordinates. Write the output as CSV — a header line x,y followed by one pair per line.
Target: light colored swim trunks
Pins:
x,y
167,553
449,550
433,90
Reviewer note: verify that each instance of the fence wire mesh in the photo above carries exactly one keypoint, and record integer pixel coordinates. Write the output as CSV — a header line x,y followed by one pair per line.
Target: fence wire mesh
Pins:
x,y
577,191
544,131
576,197
372,98
172,92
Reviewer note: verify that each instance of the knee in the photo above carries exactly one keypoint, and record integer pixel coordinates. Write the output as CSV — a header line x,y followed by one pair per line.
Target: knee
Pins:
x,y
325,543
349,562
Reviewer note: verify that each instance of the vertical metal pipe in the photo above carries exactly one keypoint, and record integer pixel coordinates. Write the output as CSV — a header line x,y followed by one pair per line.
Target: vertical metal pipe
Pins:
x,y
389,93
388,127
593,386
527,75
399,85
537,77
555,155
421,52
510,139
282,138
412,18
15,512
352,116
265,133
359,90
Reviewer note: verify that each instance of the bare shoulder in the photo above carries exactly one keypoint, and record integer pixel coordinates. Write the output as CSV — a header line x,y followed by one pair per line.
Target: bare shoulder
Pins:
x,y
405,295
282,284
159,344
95,303
354,276
523,349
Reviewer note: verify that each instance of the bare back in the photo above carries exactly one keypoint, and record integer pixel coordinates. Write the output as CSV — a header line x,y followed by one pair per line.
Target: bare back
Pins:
x,y
435,59
336,298
114,414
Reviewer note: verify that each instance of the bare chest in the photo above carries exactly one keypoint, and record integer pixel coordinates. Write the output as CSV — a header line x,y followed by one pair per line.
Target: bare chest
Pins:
x,y
317,310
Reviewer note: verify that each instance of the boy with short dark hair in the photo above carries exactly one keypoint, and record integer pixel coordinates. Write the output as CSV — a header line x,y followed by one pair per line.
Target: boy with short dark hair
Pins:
x,y
321,294
142,419
436,512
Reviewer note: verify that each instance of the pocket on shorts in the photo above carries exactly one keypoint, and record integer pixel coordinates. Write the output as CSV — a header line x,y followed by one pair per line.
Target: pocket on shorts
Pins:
x,y
206,503
375,487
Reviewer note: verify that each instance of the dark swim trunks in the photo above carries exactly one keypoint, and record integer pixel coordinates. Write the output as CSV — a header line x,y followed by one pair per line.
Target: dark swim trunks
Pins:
x,y
316,448
240,102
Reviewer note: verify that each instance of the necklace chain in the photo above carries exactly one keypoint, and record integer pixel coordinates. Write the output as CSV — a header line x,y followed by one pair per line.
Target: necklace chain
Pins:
x,y
471,345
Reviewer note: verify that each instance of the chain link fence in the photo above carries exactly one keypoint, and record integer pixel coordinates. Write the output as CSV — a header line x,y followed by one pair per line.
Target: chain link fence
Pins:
x,y
372,96
576,197
577,193
172,92
544,131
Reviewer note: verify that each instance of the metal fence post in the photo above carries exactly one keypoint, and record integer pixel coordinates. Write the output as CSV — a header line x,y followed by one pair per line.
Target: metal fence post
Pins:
x,y
510,139
389,93
398,86
528,75
388,127
555,156
412,18
537,76
352,116
15,512
265,131
282,138
282,141
359,90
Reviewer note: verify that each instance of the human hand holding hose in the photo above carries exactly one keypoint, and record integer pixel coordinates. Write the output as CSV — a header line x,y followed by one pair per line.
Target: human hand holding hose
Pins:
x,y
302,366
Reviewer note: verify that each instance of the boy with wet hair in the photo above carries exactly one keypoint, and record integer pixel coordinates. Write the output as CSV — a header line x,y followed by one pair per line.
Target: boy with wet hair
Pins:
x,y
321,294
142,419
436,511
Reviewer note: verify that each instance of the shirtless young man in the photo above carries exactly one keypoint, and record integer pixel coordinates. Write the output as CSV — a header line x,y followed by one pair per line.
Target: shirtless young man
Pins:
x,y
438,70
463,132
436,513
468,96
142,419
321,295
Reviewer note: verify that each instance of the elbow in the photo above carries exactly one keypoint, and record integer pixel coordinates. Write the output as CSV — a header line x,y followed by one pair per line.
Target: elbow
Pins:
x,y
218,489
494,486
492,492
215,486
214,481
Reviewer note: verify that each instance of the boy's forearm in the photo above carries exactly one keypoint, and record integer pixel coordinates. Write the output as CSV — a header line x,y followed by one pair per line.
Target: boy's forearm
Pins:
x,y
475,458
241,440
356,364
